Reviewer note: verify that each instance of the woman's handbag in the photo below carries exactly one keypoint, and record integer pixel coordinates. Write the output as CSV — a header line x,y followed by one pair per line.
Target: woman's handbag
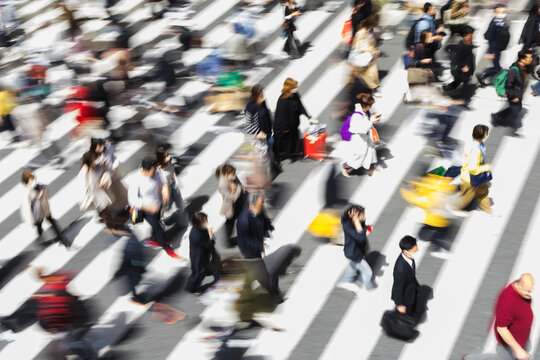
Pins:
x,y
374,135
359,59
482,178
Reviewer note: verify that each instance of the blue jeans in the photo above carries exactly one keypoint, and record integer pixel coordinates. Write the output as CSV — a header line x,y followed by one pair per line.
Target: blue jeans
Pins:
x,y
536,88
358,271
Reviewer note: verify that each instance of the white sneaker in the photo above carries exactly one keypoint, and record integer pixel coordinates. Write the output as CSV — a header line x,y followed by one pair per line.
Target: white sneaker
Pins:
x,y
441,254
8,336
348,286
387,35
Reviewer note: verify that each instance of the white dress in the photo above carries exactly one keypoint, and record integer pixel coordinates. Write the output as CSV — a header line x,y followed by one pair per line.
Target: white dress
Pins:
x,y
360,150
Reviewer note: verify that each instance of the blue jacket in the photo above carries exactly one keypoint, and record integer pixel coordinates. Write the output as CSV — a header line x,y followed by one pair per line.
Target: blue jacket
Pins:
x,y
355,242
426,22
250,230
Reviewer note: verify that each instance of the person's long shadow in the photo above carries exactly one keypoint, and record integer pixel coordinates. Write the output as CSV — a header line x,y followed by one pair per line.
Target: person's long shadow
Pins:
x,y
376,261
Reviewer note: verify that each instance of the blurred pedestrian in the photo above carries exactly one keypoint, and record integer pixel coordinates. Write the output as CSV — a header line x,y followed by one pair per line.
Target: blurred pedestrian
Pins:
x,y
104,153
498,36
361,148
292,46
201,251
166,170
474,165
233,194
35,206
288,110
406,292
7,103
462,64
362,9
355,230
252,226
147,193
513,321
530,35
427,23
514,87
364,53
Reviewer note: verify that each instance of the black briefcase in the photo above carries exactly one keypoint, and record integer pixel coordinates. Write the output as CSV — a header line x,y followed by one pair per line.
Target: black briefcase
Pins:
x,y
399,326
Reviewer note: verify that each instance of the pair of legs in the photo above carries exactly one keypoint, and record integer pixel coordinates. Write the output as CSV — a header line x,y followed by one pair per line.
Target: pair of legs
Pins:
x,y
292,46
56,228
358,272
508,116
198,272
158,233
480,193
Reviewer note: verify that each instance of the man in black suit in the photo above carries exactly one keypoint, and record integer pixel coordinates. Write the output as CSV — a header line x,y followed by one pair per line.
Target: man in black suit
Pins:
x,y
406,289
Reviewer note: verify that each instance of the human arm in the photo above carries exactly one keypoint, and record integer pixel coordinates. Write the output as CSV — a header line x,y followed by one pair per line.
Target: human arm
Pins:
x,y
519,352
473,162
398,289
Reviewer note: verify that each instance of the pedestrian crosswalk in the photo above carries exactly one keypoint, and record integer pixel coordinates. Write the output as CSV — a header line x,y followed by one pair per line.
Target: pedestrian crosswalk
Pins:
x,y
464,285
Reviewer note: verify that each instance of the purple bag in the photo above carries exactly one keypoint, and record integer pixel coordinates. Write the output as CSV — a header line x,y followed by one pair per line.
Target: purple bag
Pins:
x,y
345,133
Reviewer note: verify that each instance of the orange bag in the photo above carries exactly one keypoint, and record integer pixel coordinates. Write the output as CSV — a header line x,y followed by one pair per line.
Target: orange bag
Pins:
x,y
374,135
347,31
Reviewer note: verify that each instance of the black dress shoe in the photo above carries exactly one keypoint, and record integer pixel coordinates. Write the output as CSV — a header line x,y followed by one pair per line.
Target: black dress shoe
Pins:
x,y
494,120
480,79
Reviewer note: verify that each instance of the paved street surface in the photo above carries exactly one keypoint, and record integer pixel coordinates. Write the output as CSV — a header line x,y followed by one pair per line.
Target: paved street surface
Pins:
x,y
319,320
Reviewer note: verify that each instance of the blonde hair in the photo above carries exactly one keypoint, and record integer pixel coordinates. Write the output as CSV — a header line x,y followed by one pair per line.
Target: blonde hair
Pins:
x,y
288,86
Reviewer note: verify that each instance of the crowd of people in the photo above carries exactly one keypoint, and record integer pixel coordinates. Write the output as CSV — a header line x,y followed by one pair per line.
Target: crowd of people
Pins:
x,y
153,196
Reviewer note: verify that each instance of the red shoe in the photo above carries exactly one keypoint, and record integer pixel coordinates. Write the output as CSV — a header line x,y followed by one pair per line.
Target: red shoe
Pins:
x,y
151,243
172,253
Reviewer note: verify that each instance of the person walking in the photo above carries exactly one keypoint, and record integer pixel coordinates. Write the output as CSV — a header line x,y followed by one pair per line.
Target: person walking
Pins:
x,y
474,164
514,88
530,35
498,36
288,110
362,9
355,232
35,206
252,226
166,171
233,194
365,74
406,292
146,194
462,63
513,321
292,46
201,251
360,148
427,23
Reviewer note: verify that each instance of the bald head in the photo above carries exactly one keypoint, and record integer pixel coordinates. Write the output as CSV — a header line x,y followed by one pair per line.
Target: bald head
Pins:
x,y
525,285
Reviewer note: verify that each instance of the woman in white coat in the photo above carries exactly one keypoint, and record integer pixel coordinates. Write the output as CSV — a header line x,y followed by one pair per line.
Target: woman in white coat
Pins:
x,y
360,150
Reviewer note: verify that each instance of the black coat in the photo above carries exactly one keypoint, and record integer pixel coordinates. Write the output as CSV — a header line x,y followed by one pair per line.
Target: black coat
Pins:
x,y
406,286
360,15
250,230
288,111
530,35
515,82
200,247
355,242
463,57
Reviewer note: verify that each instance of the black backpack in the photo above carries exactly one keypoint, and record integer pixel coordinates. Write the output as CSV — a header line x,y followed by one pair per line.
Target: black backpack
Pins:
x,y
503,38
409,40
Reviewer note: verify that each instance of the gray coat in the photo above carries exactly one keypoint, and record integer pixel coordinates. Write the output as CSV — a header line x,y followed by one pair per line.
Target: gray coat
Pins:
x,y
35,207
229,197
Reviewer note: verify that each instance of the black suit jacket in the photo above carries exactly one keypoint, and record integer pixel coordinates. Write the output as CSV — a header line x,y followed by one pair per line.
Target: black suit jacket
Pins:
x,y
405,285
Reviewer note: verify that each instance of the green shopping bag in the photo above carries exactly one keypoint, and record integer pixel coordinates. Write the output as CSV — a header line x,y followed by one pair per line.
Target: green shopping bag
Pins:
x,y
230,79
438,171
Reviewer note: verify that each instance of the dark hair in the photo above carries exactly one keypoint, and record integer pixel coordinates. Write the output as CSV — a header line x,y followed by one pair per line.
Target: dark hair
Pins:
x,y
479,131
427,6
224,170
148,163
424,35
407,243
26,176
198,219
160,155
346,218
365,99
88,159
358,2
523,54
256,91
534,9
94,142
498,6
368,23
467,29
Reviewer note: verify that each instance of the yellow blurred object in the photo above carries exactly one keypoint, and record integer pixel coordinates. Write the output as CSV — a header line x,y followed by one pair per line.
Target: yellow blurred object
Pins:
x,y
7,103
325,225
431,193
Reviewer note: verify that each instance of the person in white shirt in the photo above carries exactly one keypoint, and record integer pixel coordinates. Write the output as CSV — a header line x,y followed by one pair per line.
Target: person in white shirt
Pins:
x,y
146,194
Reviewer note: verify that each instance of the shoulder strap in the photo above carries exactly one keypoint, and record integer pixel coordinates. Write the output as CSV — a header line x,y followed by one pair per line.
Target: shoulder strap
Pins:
x,y
515,67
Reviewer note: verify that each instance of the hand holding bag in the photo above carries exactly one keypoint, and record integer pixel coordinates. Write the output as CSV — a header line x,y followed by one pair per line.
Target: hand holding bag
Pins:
x,y
374,135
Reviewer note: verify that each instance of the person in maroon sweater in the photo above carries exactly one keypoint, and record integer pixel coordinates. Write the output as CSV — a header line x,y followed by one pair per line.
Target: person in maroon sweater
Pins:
x,y
513,319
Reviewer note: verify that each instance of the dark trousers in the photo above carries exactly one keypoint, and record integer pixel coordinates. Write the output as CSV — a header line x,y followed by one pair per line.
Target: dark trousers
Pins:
x,y
198,273
509,116
495,69
7,124
56,229
286,144
292,45
459,78
435,235
158,233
